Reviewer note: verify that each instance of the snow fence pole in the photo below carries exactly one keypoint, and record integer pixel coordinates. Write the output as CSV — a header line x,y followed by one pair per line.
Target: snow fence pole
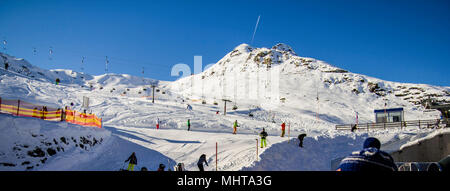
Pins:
x,y
18,106
256,149
289,132
216,156
0,103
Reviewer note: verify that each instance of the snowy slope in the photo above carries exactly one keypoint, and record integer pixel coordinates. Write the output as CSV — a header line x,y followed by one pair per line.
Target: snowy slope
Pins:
x,y
124,102
244,76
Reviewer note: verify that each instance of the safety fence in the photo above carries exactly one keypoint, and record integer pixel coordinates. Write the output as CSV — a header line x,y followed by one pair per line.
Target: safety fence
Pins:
x,y
432,123
26,109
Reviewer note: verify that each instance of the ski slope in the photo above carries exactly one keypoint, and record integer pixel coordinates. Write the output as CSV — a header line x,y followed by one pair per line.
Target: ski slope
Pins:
x,y
124,102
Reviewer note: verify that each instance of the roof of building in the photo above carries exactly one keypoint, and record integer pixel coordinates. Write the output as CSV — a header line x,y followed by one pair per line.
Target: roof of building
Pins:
x,y
387,110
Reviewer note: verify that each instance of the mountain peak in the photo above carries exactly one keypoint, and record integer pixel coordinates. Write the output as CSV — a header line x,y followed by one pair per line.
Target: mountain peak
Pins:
x,y
243,48
284,47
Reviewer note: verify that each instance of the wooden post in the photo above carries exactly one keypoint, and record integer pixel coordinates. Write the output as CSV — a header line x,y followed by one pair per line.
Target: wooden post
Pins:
x,y
289,132
225,108
18,107
257,150
216,156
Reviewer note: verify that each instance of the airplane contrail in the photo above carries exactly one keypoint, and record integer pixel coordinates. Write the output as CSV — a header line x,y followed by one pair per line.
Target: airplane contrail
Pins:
x,y
256,27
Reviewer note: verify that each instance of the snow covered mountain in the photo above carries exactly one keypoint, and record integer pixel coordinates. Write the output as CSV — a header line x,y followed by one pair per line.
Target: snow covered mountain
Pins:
x,y
275,85
304,86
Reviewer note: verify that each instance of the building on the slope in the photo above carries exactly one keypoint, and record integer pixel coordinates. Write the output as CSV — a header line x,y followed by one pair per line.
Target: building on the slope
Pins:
x,y
389,115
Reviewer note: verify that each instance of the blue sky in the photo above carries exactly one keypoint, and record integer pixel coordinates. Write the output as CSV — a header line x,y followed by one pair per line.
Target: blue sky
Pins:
x,y
402,41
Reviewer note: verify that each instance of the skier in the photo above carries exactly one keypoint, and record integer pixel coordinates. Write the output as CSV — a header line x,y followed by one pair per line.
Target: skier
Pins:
x,y
57,81
283,128
157,123
263,136
371,158
235,125
161,167
300,138
189,124
133,161
200,162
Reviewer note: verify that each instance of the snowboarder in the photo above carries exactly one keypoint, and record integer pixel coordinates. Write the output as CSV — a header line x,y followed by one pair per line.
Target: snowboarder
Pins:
x,y
189,124
235,125
370,159
283,128
161,167
133,161
263,136
57,81
300,138
200,162
157,123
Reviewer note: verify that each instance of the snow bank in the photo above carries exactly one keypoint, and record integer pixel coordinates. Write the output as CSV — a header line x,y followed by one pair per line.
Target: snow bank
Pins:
x,y
316,154
28,143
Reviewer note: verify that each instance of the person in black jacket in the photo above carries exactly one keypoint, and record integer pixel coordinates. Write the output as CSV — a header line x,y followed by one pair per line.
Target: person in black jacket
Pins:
x,y
133,161
200,162
300,138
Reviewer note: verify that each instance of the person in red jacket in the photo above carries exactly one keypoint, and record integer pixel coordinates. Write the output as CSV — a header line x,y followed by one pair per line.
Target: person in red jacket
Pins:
x,y
283,129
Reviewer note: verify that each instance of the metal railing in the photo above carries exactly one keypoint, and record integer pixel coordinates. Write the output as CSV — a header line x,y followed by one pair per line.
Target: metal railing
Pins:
x,y
431,123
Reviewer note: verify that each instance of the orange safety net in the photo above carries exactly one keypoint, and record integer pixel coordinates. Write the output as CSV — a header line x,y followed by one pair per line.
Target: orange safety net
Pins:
x,y
25,109
83,119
